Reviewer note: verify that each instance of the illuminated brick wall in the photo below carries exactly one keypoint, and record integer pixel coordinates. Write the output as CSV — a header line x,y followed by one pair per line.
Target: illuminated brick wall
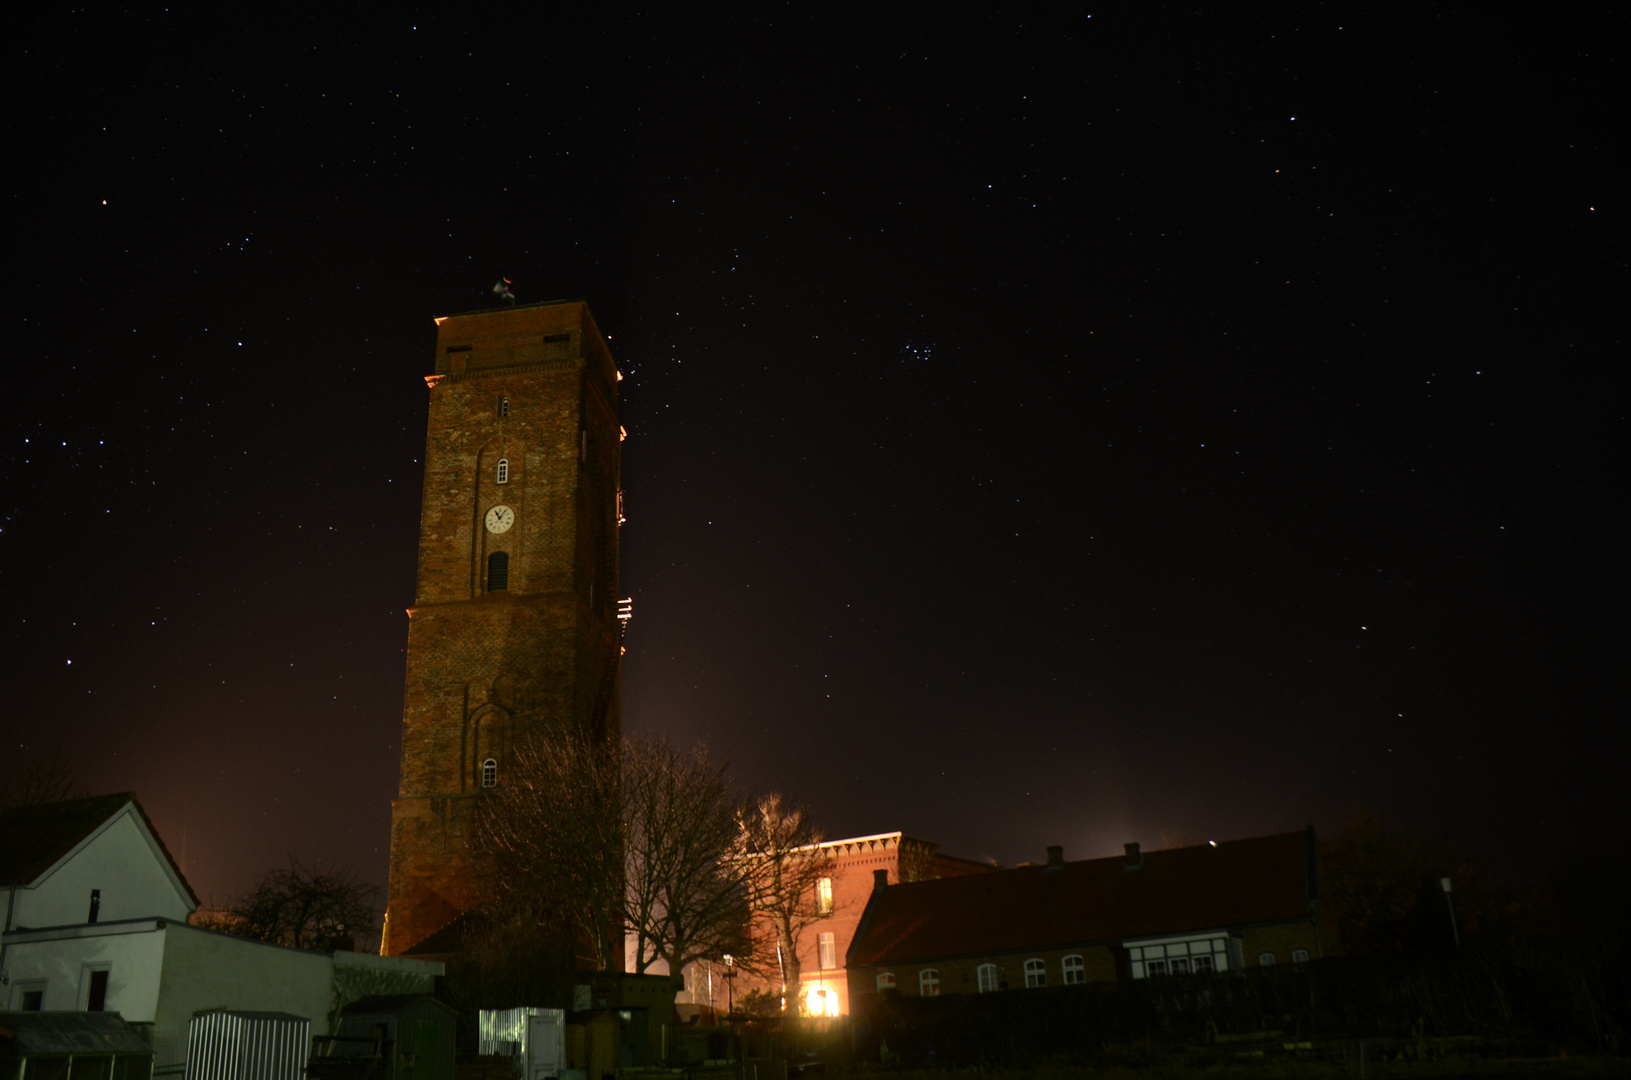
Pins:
x,y
535,388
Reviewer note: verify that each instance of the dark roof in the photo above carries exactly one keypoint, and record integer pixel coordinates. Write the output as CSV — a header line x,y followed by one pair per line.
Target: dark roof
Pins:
x,y
395,1005
447,941
1236,883
31,1034
33,838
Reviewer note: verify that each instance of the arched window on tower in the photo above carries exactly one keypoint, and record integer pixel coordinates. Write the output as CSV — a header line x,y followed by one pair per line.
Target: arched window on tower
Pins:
x,y
498,572
489,773
502,474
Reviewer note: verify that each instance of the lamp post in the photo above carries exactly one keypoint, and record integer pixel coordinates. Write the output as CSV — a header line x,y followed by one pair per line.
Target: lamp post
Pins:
x,y
729,975
1455,934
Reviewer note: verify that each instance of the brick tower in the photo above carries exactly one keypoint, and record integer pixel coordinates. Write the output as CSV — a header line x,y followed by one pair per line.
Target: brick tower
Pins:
x,y
514,628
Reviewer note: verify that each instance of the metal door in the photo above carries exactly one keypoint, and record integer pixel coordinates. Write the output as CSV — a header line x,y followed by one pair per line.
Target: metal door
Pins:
x,y
544,1039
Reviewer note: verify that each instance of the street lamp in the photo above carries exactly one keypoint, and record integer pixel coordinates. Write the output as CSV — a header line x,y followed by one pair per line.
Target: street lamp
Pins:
x,y
729,975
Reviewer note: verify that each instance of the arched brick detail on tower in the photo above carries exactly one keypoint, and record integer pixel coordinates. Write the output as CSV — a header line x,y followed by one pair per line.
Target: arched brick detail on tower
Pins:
x,y
487,735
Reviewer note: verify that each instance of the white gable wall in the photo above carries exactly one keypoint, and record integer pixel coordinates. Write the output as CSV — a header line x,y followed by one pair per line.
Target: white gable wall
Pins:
x,y
122,860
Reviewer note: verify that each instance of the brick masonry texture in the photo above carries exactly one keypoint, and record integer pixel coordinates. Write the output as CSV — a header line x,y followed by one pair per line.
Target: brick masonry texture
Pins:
x,y
534,387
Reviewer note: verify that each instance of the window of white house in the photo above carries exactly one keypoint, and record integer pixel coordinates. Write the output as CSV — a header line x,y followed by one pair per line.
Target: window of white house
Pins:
x,y
1036,973
987,975
502,474
1075,971
1299,957
886,980
829,951
928,982
1265,959
489,773
824,895
1179,956
94,988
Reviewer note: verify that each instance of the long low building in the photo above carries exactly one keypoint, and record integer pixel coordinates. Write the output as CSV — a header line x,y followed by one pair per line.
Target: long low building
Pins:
x,y
1214,907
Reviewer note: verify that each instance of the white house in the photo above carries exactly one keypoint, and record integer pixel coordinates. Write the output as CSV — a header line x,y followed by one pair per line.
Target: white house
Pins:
x,y
98,923
87,861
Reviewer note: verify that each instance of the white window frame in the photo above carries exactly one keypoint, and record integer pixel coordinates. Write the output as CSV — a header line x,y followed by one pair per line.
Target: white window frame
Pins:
x,y
824,895
1265,959
1299,957
1073,974
928,982
87,972
28,986
886,981
1036,973
501,474
1178,955
827,951
489,773
985,978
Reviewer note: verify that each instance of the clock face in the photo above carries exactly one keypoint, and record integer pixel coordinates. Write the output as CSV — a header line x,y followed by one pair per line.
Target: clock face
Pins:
x,y
499,519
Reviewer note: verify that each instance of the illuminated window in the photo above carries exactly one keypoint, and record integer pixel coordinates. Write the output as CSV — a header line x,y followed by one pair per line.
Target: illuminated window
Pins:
x,y
503,472
987,975
1036,973
1299,957
498,572
503,406
886,980
824,896
489,773
1075,971
829,951
1265,959
928,982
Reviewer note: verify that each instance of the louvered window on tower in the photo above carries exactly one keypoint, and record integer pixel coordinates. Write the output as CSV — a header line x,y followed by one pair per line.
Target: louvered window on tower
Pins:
x,y
503,406
498,572
503,474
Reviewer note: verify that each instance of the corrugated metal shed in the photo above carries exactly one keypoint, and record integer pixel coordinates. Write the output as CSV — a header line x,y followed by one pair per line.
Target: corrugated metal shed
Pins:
x,y
230,1045
419,1033
503,1032
48,1045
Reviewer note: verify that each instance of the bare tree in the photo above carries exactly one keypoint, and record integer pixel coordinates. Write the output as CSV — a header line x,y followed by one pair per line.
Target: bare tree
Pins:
x,y
687,895
301,907
554,836
42,782
782,847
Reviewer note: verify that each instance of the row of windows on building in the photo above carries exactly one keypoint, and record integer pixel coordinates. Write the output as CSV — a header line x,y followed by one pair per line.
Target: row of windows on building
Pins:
x,y
1072,971
1148,961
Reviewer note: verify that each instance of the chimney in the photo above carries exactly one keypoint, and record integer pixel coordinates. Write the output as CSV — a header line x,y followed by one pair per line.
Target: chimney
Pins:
x,y
880,880
1135,858
1056,857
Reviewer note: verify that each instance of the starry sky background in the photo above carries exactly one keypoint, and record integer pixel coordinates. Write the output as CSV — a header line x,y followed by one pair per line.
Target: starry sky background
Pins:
x,y
1046,425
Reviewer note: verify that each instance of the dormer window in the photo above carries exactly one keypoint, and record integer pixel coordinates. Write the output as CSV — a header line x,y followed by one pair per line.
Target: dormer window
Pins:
x,y
489,773
503,407
502,475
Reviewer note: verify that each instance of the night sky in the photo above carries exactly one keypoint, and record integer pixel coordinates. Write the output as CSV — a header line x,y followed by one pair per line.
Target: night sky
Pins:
x,y
1046,425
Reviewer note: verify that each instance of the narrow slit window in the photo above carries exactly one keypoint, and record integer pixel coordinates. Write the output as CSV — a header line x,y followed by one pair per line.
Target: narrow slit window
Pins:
x,y
824,896
489,773
502,475
498,572
503,406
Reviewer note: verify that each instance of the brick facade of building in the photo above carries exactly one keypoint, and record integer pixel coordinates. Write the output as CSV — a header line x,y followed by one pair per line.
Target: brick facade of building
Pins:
x,y
514,628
